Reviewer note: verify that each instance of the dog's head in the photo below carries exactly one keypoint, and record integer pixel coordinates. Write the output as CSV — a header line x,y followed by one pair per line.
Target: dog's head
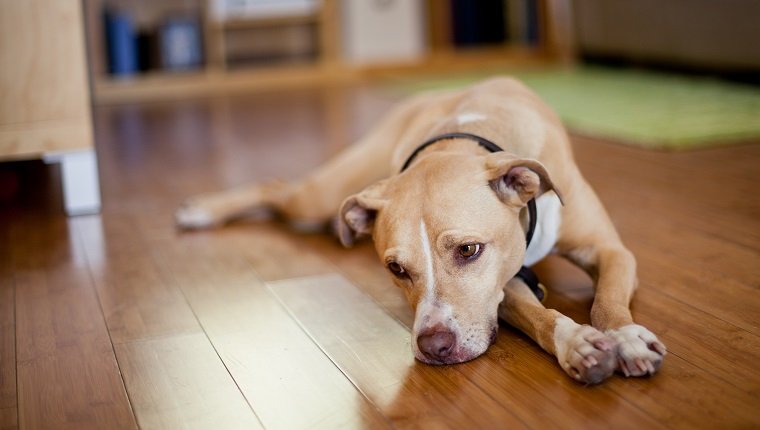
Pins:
x,y
449,231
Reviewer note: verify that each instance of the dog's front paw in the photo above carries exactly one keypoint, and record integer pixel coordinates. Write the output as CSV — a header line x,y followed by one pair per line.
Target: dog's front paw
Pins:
x,y
195,214
640,353
585,353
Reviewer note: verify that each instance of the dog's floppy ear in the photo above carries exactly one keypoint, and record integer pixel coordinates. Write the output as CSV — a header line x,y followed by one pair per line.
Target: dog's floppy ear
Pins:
x,y
517,180
357,214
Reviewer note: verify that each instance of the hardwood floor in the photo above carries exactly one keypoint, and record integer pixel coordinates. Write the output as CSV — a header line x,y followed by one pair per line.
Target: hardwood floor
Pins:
x,y
121,321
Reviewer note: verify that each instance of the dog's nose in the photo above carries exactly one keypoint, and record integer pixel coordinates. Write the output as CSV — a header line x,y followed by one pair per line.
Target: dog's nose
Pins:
x,y
436,345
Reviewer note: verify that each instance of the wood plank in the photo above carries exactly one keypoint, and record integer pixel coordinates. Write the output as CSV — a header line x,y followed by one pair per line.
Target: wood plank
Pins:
x,y
671,396
44,76
669,186
361,265
30,141
329,33
721,296
706,234
373,350
164,86
699,253
158,341
68,376
244,23
45,103
711,344
179,382
9,418
274,251
8,403
137,303
265,351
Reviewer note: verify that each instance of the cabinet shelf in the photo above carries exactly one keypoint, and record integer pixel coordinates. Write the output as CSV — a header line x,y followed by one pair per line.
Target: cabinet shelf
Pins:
x,y
275,21
222,73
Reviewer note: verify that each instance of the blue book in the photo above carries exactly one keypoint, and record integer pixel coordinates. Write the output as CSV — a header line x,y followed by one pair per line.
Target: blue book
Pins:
x,y
121,43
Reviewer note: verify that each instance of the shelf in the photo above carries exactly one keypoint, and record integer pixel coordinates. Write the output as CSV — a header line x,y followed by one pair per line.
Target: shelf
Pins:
x,y
253,23
329,66
157,86
161,85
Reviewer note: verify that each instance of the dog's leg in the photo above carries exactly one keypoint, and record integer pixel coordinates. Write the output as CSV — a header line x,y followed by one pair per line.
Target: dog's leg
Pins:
x,y
585,353
312,201
307,204
613,268
589,239
214,209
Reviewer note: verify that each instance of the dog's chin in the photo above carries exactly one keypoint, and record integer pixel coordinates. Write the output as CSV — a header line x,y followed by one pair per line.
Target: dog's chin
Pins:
x,y
448,360
461,355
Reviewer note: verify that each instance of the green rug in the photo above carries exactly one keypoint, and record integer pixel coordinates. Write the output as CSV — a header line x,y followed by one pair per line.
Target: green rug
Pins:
x,y
651,109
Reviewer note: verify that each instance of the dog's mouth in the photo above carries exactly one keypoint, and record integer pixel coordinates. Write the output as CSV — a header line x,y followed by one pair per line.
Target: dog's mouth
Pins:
x,y
439,354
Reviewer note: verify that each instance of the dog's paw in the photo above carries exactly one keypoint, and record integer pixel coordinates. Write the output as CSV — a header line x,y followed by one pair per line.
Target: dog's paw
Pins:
x,y
640,353
193,214
585,353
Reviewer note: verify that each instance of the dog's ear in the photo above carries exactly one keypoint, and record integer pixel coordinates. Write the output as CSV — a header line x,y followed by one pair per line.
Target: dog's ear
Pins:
x,y
517,180
357,214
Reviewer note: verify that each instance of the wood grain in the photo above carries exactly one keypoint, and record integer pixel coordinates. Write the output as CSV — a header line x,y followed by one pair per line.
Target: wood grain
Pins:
x,y
67,375
44,94
713,204
179,382
262,347
161,347
137,302
29,141
8,407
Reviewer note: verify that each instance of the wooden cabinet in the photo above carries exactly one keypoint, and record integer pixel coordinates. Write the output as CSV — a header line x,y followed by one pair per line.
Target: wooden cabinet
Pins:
x,y
44,94
347,41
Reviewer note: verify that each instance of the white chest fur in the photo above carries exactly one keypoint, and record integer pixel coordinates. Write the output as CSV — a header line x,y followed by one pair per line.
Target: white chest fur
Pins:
x,y
547,228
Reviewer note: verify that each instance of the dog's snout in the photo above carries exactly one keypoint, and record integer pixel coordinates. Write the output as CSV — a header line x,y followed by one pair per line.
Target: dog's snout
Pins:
x,y
436,345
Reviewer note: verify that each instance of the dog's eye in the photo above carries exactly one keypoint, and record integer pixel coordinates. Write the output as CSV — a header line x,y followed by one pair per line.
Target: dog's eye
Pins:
x,y
470,250
397,270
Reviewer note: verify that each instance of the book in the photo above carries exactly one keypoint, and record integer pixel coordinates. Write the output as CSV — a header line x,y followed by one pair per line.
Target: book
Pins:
x,y
121,43
478,22
180,41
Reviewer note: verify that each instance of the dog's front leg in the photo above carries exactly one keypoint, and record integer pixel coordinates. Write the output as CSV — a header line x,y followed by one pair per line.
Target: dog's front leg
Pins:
x,y
214,209
585,353
640,353
309,203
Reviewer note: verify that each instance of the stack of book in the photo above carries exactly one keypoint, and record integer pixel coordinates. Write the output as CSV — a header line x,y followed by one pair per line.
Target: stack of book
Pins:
x,y
174,45
495,22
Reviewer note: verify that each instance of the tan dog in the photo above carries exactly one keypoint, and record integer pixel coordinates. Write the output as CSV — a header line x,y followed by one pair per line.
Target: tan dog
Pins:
x,y
451,228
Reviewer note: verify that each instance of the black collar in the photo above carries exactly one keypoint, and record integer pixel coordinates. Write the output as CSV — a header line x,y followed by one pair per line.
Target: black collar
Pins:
x,y
485,143
525,273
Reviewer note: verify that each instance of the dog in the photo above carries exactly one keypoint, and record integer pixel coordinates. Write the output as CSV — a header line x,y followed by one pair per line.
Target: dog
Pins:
x,y
449,184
